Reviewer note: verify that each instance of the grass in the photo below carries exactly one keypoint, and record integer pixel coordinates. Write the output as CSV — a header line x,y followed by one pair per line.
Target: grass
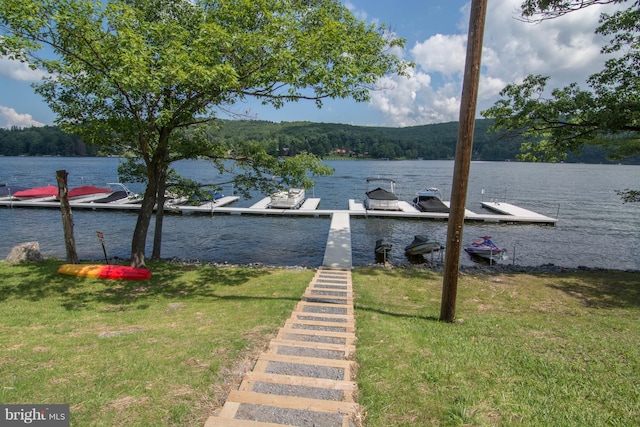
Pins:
x,y
161,352
527,350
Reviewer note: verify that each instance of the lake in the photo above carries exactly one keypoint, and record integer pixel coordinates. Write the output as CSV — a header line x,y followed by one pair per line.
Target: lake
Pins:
x,y
595,229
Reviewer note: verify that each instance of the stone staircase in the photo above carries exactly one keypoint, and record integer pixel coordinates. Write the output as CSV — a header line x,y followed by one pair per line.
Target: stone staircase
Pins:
x,y
306,376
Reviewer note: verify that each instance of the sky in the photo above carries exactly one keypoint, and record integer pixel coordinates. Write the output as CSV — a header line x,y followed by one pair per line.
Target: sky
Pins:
x,y
566,49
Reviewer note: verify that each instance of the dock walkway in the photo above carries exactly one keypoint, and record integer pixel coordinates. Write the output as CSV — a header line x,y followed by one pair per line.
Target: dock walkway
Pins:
x,y
504,212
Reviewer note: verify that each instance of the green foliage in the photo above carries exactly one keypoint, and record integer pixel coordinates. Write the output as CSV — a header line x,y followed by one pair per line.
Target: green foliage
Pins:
x,y
331,140
629,195
607,115
548,9
42,141
135,75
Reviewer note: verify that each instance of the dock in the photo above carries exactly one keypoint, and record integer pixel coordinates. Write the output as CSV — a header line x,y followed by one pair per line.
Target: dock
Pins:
x,y
338,249
514,211
506,213
501,212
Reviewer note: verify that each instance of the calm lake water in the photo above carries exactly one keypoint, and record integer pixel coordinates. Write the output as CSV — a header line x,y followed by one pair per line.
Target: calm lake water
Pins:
x,y
595,229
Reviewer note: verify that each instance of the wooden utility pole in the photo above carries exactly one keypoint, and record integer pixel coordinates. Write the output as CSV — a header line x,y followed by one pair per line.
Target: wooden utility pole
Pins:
x,y
67,217
463,159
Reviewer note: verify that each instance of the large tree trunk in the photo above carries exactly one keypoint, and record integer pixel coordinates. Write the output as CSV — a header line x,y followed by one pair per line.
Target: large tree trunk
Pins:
x,y
155,167
67,217
139,239
160,198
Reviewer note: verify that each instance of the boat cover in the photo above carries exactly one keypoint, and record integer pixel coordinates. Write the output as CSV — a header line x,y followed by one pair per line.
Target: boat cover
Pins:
x,y
422,245
10,190
381,194
116,195
432,204
47,191
87,190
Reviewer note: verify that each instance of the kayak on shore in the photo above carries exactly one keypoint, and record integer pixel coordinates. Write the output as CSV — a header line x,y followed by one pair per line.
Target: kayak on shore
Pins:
x,y
100,271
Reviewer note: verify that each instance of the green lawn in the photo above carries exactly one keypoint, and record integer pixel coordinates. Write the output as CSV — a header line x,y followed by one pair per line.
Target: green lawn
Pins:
x,y
527,350
152,353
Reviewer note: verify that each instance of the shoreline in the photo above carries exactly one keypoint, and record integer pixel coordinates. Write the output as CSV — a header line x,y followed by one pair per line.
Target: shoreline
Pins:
x,y
463,269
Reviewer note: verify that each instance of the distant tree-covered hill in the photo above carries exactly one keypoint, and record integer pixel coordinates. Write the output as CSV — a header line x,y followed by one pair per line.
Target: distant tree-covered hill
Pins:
x,y
430,142
42,141
436,141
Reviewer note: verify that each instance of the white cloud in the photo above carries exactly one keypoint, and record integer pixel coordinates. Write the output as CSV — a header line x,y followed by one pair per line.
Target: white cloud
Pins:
x,y
358,13
441,53
565,49
10,117
16,70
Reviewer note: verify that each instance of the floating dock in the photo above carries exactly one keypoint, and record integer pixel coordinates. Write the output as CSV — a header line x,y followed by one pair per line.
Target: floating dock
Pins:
x,y
503,212
506,213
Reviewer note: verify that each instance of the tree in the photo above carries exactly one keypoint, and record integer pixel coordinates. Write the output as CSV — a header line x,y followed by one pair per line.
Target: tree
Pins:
x,y
537,10
134,75
606,115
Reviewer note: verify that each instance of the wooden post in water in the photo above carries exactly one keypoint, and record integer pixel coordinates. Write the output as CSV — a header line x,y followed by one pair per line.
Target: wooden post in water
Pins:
x,y
67,217
462,159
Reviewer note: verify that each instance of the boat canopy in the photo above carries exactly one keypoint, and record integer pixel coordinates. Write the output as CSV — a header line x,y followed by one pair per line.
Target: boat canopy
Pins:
x,y
86,190
431,204
46,191
381,194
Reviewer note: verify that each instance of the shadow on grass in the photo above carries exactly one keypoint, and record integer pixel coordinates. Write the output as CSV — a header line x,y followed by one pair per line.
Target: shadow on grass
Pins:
x,y
34,282
388,276
606,290
359,307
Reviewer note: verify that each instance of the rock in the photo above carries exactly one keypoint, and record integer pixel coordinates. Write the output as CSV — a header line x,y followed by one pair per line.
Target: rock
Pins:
x,y
25,252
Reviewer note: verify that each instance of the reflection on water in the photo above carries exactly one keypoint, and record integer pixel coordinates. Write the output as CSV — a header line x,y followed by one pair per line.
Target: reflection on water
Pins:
x,y
595,229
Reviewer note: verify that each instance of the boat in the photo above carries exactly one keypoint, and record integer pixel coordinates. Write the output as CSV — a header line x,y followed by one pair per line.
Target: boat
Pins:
x,y
121,196
8,191
383,247
429,200
102,271
380,198
422,245
485,249
288,199
48,192
87,193
382,250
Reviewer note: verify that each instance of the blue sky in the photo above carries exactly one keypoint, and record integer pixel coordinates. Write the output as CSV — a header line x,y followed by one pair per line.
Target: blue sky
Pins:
x,y
435,31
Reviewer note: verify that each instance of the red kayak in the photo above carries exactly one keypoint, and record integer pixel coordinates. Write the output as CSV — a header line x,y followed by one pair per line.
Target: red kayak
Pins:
x,y
100,271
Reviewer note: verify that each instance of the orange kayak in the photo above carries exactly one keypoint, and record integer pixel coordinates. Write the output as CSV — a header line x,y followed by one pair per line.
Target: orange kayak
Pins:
x,y
116,272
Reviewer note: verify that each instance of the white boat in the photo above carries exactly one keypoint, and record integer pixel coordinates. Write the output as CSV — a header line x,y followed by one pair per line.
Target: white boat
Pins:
x,y
380,198
422,245
88,193
429,200
7,191
122,195
288,199
38,194
485,249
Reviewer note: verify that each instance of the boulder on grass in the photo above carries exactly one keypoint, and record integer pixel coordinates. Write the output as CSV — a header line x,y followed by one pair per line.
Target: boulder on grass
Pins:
x,y
25,252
